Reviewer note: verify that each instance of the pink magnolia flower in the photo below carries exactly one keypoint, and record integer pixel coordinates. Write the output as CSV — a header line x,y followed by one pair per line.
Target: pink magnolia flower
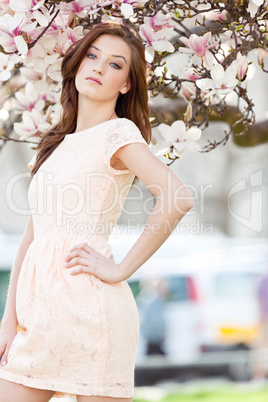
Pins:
x,y
29,126
216,15
191,74
198,45
134,3
29,99
4,5
66,37
83,7
35,7
158,21
156,41
11,28
262,53
221,82
242,66
178,136
44,57
188,91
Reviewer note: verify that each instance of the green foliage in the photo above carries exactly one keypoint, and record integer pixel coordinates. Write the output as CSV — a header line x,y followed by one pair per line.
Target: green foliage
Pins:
x,y
222,395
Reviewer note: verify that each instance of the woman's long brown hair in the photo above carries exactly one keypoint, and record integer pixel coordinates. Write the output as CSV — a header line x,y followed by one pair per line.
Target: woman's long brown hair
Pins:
x,y
133,105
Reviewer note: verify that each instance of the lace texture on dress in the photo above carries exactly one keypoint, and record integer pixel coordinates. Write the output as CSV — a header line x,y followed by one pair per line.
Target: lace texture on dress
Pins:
x,y
123,132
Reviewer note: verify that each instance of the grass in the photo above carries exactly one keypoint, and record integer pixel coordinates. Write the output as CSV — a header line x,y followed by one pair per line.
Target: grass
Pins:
x,y
221,395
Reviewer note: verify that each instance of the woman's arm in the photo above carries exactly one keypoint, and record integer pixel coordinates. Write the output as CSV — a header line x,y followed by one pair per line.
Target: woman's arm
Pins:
x,y
10,317
174,200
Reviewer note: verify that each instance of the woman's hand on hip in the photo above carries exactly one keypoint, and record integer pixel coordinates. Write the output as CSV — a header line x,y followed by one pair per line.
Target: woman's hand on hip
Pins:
x,y
82,258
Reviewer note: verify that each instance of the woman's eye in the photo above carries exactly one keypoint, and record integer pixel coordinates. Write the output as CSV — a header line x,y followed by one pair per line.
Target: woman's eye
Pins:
x,y
115,65
91,56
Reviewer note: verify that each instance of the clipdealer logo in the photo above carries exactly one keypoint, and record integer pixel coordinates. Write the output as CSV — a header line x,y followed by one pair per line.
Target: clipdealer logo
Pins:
x,y
254,220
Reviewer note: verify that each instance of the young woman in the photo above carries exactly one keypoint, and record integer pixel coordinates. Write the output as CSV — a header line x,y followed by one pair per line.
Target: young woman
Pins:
x,y
79,320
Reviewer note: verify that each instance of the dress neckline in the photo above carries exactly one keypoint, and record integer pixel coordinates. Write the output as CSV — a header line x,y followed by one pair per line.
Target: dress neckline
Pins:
x,y
91,128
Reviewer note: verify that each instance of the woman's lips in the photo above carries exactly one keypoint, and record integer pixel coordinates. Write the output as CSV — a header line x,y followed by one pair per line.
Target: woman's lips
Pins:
x,y
95,80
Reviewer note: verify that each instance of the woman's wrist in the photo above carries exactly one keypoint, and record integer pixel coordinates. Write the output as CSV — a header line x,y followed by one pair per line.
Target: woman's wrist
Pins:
x,y
123,271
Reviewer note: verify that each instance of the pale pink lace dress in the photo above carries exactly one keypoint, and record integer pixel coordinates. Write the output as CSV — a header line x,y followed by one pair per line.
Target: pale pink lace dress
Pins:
x,y
79,333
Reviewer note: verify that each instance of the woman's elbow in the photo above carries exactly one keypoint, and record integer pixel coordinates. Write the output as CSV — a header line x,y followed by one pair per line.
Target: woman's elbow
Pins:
x,y
184,201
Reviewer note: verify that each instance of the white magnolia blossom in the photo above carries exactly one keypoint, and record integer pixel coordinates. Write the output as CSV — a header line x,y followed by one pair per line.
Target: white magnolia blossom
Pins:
x,y
11,28
29,126
39,12
82,8
127,10
178,136
221,82
29,99
156,40
6,66
242,66
253,6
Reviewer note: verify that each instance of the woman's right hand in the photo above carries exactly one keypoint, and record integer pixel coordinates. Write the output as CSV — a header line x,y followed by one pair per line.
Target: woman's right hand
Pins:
x,y
7,335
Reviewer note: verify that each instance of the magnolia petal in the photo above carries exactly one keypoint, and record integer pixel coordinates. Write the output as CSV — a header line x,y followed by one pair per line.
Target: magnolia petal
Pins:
x,y
178,152
208,60
224,91
205,83
41,18
162,148
185,50
198,44
193,134
230,75
29,27
19,129
28,119
163,33
21,45
167,132
149,53
163,46
179,129
20,6
51,58
40,105
8,43
146,32
127,10
20,97
252,9
5,75
218,75
185,41
210,93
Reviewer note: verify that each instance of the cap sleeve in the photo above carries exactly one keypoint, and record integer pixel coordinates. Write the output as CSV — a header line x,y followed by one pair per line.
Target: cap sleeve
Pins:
x,y
122,133
32,162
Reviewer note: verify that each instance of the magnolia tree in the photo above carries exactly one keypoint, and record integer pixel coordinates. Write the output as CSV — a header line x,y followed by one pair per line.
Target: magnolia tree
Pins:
x,y
216,35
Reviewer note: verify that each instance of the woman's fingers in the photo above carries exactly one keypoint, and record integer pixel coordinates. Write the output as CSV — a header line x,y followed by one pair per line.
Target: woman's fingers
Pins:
x,y
84,246
4,354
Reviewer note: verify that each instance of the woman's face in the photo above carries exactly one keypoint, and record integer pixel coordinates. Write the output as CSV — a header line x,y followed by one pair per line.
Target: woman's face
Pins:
x,y
103,73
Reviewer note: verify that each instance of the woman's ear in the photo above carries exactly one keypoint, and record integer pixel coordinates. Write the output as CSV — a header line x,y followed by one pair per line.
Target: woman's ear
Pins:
x,y
126,87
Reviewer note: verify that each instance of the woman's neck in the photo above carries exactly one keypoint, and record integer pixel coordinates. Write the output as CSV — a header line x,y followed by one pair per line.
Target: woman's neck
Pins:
x,y
90,114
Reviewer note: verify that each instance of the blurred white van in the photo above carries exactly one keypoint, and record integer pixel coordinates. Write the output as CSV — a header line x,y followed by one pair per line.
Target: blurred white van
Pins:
x,y
211,304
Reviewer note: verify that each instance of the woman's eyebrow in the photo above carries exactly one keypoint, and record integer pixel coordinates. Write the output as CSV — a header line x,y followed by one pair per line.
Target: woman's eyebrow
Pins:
x,y
113,55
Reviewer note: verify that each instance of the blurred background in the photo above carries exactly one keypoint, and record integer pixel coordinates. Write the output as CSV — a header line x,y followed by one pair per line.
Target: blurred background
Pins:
x,y
203,296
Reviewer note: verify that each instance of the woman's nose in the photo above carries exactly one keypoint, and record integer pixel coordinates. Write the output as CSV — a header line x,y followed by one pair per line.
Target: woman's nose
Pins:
x,y
98,68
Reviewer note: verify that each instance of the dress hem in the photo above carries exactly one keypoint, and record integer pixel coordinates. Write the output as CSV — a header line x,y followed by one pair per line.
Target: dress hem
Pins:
x,y
61,391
